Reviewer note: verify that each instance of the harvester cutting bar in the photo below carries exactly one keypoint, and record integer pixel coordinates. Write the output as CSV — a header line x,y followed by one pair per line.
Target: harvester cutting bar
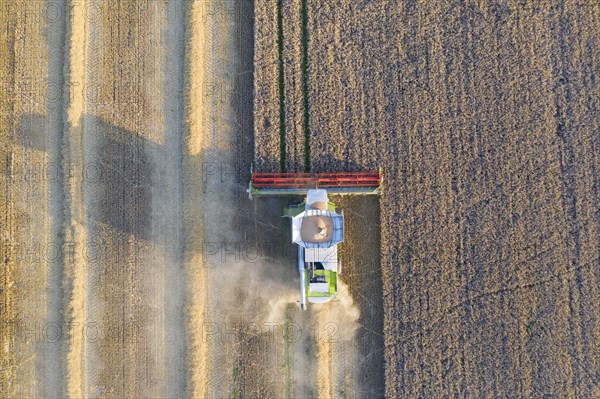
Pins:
x,y
299,183
321,180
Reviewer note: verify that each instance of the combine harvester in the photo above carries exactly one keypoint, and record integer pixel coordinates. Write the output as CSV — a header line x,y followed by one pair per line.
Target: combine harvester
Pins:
x,y
317,225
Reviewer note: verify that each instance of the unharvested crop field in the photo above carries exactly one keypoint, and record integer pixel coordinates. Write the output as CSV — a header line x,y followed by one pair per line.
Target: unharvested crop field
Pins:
x,y
484,118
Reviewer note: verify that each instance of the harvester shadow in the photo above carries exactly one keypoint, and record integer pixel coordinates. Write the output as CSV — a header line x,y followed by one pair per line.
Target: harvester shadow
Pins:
x,y
121,172
117,175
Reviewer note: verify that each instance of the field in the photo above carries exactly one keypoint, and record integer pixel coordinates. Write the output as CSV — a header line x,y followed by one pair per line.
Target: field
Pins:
x,y
135,265
484,119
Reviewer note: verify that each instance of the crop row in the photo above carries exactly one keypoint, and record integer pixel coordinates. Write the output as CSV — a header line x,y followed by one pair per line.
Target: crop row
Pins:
x,y
267,141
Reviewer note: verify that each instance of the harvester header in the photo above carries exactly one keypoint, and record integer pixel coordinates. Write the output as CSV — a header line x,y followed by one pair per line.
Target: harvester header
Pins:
x,y
340,183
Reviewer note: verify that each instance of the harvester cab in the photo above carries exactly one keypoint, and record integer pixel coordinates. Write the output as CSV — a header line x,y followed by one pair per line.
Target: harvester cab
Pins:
x,y
317,225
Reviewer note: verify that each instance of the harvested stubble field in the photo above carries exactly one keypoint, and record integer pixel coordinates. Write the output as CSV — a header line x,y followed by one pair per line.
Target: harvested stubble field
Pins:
x,y
484,117
117,129
91,131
